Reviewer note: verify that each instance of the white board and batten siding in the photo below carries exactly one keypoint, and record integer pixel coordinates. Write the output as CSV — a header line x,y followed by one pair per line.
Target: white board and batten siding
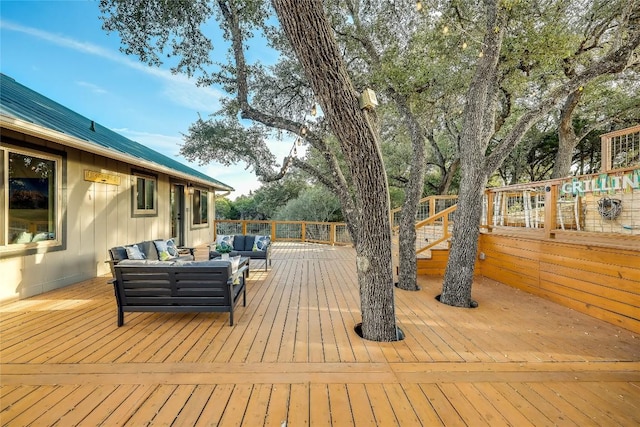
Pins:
x,y
98,217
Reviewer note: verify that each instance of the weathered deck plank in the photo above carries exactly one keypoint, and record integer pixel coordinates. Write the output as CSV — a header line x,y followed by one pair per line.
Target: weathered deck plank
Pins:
x,y
293,357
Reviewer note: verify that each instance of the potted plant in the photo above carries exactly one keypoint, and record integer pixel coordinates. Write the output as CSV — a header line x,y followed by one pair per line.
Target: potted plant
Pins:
x,y
223,248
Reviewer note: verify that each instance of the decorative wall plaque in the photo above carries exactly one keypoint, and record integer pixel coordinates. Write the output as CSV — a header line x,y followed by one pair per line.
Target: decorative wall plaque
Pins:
x,y
104,178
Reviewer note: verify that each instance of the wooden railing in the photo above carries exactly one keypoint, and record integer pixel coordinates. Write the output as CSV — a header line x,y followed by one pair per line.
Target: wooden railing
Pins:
x,y
433,221
434,230
427,207
331,233
601,208
620,149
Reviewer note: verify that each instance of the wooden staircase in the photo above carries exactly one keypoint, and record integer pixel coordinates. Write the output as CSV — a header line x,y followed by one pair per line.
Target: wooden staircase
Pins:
x,y
433,233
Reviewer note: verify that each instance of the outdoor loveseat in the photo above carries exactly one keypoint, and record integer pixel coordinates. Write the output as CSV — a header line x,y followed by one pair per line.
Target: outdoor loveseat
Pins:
x,y
152,250
178,286
249,245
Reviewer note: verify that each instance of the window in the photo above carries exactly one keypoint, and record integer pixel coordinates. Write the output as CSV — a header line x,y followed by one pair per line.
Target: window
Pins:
x,y
144,195
32,211
200,207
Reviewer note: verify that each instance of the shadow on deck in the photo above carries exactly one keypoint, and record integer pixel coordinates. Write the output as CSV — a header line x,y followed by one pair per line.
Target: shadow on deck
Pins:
x,y
293,358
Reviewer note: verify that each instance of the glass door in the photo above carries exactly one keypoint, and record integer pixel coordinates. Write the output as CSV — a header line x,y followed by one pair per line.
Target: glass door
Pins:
x,y
177,213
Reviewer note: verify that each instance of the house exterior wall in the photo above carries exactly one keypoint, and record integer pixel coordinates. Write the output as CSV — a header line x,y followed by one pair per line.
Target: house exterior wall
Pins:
x,y
96,217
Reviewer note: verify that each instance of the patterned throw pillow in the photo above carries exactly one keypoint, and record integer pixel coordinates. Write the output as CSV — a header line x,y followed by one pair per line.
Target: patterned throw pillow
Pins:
x,y
163,250
133,252
224,238
261,243
172,248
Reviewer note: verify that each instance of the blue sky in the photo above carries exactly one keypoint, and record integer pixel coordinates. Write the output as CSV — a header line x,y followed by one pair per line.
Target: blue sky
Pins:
x,y
58,48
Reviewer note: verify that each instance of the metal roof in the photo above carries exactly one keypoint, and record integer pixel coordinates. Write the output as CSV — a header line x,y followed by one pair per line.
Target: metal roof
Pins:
x,y
22,103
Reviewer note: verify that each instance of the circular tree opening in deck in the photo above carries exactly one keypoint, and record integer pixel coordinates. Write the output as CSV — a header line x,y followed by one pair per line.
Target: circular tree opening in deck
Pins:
x,y
399,333
472,303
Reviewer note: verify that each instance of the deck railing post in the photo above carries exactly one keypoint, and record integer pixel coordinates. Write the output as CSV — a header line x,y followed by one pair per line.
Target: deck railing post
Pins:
x,y
550,209
332,234
303,232
489,219
605,153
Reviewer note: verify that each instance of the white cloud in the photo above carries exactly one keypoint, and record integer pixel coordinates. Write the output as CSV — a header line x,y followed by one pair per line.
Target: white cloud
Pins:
x,y
236,176
166,144
179,89
92,87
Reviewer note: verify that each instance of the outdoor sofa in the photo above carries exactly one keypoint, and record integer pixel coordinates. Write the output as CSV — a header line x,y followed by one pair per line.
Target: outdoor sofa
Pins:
x,y
152,250
249,245
178,286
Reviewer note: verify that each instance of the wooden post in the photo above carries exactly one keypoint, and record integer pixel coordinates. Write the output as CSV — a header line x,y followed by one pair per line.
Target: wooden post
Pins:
x,y
605,153
303,232
550,209
332,234
490,198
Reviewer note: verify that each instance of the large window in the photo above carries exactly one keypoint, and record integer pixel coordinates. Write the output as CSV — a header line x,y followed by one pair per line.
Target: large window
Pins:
x,y
144,194
31,202
200,207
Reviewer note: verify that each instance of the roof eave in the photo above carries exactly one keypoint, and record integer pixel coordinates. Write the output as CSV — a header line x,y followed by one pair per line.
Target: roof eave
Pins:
x,y
37,131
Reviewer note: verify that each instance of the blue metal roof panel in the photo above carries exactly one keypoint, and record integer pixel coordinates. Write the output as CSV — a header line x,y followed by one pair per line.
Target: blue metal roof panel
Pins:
x,y
25,104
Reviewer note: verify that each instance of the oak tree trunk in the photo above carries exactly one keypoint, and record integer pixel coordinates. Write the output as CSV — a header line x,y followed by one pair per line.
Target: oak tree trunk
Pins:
x,y
478,128
308,30
567,139
408,274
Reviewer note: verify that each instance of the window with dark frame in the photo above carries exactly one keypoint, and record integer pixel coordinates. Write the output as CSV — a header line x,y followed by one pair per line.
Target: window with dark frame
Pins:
x,y
200,207
31,213
145,195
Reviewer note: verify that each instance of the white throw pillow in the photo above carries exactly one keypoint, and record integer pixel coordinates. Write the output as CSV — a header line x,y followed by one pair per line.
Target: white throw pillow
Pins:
x,y
133,252
23,237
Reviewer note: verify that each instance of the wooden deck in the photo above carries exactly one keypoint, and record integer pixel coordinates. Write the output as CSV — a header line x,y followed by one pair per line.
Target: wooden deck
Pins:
x,y
293,359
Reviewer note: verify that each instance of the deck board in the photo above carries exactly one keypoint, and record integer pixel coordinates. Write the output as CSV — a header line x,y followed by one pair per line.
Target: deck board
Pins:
x,y
293,357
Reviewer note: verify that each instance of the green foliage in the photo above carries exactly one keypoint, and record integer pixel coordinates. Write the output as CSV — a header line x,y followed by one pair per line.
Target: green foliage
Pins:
x,y
225,209
313,204
155,29
246,207
264,202
228,142
272,196
429,56
223,248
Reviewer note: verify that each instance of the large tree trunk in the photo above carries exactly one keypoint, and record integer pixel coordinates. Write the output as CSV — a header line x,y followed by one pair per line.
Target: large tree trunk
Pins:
x,y
458,279
308,30
478,127
408,274
567,139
